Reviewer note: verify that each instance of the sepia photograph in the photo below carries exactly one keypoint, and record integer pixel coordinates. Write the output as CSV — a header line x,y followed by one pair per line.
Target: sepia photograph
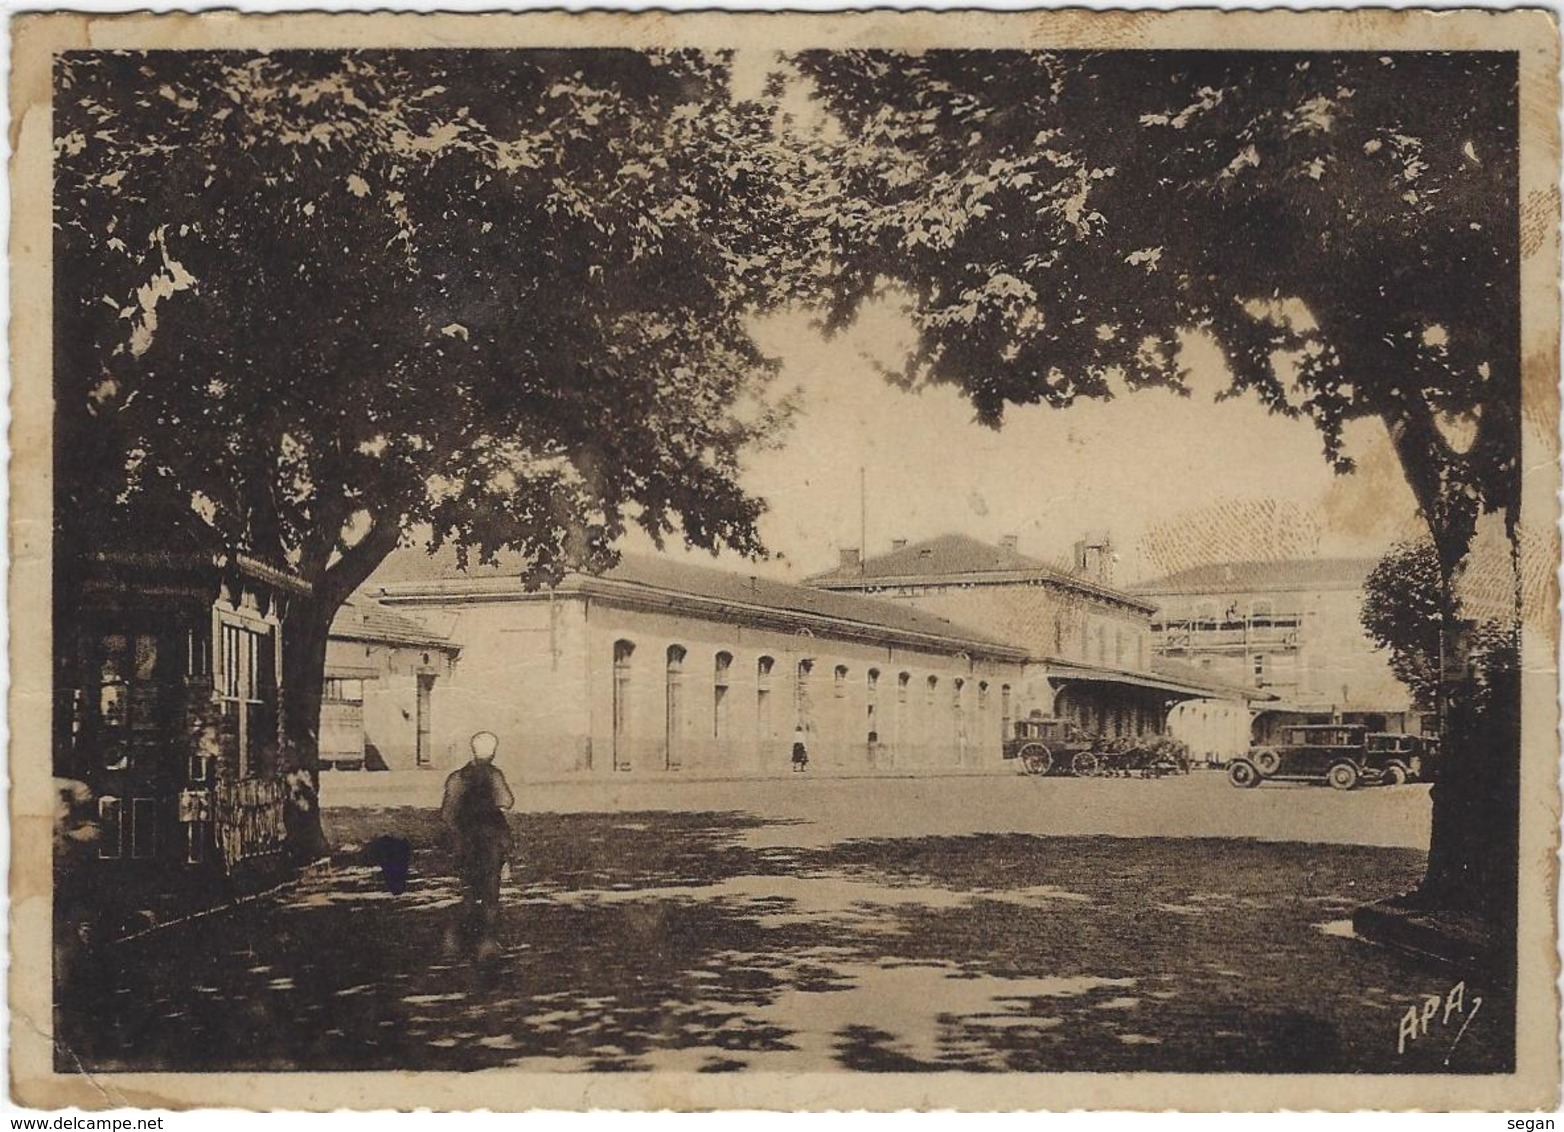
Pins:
x,y
785,561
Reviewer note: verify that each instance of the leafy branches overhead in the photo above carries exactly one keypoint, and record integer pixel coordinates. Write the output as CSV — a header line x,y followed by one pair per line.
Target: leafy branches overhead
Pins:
x,y
324,290
1061,219
500,293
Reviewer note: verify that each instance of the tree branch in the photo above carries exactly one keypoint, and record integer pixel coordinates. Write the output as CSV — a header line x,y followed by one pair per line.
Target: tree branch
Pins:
x,y
338,581
1429,465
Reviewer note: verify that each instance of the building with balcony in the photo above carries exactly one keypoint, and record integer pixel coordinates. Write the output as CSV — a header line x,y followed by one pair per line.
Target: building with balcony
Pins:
x,y
1289,629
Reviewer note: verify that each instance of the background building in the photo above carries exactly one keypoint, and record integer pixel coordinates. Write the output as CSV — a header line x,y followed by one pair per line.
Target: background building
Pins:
x,y
1070,616
1287,628
379,699
1091,644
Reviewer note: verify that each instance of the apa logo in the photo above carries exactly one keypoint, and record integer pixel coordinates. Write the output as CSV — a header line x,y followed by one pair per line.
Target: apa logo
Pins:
x,y
1447,1008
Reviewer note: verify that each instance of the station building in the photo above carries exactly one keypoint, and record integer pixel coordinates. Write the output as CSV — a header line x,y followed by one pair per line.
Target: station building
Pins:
x,y
1091,642
657,665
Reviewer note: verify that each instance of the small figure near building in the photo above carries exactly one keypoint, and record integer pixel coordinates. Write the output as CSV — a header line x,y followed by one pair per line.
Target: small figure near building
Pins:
x,y
473,811
800,748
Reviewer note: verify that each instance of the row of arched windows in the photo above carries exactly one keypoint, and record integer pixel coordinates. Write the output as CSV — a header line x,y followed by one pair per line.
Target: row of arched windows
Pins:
x,y
804,708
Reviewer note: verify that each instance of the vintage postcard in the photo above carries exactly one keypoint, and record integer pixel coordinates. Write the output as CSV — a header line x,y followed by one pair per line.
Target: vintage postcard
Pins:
x,y
795,561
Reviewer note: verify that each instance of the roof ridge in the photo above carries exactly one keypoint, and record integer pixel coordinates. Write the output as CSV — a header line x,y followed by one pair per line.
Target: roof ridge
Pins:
x,y
1236,571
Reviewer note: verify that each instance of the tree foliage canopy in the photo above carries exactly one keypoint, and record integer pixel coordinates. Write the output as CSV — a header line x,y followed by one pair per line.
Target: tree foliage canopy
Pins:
x,y
1061,219
1405,611
333,295
1402,612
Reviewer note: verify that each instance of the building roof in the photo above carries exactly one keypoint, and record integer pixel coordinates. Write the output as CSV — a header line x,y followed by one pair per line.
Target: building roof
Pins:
x,y
667,583
1189,675
1245,577
960,558
1178,679
364,619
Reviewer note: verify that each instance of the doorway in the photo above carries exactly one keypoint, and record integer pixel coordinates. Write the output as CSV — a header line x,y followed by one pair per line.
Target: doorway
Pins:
x,y
422,754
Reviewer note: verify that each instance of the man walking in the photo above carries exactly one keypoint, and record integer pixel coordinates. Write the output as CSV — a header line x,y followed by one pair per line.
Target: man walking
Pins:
x,y
473,810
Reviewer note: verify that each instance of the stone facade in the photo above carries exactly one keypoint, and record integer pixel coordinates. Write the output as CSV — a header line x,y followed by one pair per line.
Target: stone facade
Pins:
x,y
1071,616
657,668
662,667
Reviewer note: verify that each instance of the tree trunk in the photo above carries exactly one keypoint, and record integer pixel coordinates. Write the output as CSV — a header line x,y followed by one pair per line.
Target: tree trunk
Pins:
x,y
1474,836
304,639
1474,840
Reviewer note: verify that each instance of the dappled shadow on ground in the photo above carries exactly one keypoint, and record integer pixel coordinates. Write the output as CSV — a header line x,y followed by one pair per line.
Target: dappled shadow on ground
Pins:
x,y
666,941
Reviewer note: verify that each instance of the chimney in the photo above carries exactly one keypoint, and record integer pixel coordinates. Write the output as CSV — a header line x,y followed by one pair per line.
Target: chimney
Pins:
x,y
898,544
850,558
1094,558
1009,542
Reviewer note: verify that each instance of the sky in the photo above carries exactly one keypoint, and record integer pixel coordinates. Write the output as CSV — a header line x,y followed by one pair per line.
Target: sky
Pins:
x,y
1173,481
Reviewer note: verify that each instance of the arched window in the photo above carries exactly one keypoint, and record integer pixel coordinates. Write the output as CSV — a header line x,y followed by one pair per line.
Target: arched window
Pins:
x,y
1102,644
674,686
1118,646
1006,710
802,699
839,681
763,725
903,682
873,699
982,697
958,708
721,666
623,651
933,687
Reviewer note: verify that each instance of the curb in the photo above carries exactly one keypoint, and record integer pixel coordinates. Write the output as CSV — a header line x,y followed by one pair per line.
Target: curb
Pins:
x,y
1458,939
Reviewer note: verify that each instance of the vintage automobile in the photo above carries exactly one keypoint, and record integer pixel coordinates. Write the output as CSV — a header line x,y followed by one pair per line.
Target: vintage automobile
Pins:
x,y
1405,758
1052,746
1341,755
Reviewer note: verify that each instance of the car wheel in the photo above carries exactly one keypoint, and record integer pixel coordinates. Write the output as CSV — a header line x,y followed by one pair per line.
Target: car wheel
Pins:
x,y
1035,759
1242,774
1342,776
1396,775
1084,764
1268,762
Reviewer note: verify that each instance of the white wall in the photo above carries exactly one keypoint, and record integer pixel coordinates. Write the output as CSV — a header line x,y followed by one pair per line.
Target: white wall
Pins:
x,y
540,674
